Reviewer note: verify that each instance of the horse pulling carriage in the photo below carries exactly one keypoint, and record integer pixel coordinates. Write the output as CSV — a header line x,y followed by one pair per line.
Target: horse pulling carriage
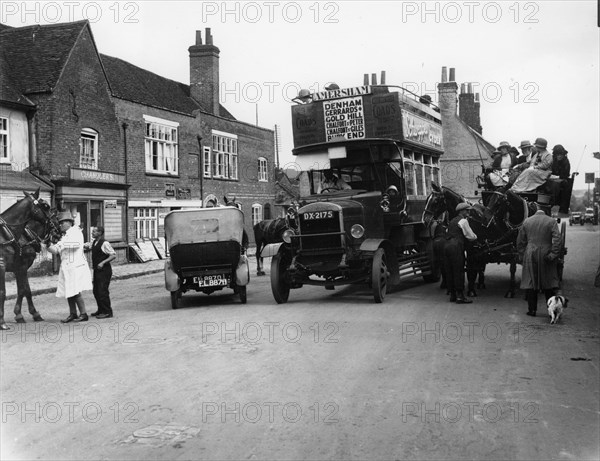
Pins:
x,y
497,221
206,252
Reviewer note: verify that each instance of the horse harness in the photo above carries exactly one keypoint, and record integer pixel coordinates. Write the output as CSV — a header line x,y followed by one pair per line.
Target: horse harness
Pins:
x,y
7,236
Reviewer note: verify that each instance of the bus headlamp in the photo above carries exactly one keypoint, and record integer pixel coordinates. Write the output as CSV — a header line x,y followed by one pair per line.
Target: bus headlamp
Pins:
x,y
357,231
287,235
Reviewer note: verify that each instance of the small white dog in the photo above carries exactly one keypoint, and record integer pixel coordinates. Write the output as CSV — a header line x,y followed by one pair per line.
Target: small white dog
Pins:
x,y
556,305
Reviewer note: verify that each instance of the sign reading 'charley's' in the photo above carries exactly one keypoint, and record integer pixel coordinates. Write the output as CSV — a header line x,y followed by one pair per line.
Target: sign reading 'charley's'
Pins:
x,y
80,174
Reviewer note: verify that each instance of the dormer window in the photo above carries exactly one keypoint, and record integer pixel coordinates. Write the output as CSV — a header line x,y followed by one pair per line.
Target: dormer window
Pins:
x,y
88,149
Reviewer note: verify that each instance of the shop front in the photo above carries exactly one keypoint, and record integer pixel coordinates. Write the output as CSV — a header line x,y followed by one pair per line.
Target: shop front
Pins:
x,y
97,198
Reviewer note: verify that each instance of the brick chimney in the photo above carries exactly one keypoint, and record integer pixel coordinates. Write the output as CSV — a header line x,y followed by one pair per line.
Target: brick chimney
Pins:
x,y
468,109
447,91
204,72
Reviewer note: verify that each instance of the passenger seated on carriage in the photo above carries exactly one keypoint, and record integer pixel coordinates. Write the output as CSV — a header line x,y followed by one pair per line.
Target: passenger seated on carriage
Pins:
x,y
503,162
523,162
331,182
539,169
558,183
526,154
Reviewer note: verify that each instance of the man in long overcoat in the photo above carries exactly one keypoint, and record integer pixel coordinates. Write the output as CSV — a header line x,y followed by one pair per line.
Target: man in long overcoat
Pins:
x,y
538,243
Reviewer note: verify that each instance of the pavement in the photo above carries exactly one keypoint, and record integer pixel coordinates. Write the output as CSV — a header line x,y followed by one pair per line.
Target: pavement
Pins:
x,y
47,283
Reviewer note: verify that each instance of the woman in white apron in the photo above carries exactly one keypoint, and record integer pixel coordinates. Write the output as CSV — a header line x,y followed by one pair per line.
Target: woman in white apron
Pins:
x,y
74,276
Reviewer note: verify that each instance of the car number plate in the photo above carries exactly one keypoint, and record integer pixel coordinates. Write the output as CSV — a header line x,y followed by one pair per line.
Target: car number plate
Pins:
x,y
211,281
318,215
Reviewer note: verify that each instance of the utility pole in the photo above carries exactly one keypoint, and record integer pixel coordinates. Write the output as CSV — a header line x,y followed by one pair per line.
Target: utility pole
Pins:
x,y
277,145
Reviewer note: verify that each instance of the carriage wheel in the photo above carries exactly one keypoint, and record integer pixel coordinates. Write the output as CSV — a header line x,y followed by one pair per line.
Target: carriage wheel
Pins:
x,y
379,275
243,294
562,251
175,295
434,264
279,285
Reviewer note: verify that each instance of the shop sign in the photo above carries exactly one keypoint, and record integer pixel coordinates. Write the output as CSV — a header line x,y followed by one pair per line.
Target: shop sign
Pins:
x,y
184,194
80,174
110,204
169,190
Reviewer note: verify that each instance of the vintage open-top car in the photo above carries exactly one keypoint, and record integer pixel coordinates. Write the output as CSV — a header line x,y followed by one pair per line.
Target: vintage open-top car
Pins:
x,y
588,216
207,252
576,218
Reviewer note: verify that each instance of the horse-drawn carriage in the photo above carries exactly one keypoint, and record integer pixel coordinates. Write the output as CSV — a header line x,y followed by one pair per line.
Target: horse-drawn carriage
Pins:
x,y
517,206
206,252
496,220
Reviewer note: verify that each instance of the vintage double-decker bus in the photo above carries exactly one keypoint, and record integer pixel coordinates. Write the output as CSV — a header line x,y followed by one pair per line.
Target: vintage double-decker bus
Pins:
x,y
381,145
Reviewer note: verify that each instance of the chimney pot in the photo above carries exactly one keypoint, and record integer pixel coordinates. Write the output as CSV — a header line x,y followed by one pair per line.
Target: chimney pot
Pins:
x,y
373,79
444,75
366,79
452,74
462,88
476,97
204,72
470,88
383,77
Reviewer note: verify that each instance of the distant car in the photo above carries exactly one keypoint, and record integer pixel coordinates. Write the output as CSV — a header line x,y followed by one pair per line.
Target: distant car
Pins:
x,y
576,218
589,216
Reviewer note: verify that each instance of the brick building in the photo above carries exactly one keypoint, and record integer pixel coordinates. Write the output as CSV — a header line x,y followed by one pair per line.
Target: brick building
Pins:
x,y
464,146
17,142
124,146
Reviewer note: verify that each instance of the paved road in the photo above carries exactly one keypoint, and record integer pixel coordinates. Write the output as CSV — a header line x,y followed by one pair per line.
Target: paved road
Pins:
x,y
329,375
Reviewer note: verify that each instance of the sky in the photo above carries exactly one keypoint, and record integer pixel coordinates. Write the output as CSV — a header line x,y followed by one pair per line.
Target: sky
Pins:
x,y
534,63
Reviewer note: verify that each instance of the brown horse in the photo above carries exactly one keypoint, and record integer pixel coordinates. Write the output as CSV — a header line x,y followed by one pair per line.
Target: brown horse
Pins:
x,y
17,235
265,232
271,231
31,244
441,207
238,205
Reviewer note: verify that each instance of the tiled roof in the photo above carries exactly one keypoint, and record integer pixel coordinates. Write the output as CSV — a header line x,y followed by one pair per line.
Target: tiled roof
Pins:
x,y
144,87
139,85
490,147
225,113
37,54
22,180
9,91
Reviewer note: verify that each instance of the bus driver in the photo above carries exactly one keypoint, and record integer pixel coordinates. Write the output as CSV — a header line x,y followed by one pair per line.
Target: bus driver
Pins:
x,y
331,182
